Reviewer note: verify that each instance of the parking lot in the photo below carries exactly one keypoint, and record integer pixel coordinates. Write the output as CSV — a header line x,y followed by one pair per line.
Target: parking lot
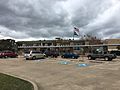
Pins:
x,y
66,74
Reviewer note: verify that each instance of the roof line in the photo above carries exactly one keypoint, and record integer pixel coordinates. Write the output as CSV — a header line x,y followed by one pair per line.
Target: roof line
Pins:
x,y
68,46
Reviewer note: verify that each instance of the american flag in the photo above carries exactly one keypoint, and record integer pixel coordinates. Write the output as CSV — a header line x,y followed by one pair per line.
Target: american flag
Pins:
x,y
76,31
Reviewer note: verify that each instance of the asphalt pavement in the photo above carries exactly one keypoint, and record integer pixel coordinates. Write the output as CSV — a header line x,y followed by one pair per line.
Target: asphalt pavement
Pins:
x,y
66,74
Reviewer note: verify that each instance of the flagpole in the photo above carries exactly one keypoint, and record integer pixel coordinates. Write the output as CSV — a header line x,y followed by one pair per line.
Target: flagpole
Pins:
x,y
73,34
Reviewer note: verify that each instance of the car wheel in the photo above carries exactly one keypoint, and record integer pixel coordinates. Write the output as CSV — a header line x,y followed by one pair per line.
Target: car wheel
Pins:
x,y
56,56
62,56
106,58
34,58
89,57
5,56
27,59
76,57
73,57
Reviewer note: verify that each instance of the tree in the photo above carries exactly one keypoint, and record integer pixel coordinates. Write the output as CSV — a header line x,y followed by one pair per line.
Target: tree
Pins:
x,y
92,39
118,47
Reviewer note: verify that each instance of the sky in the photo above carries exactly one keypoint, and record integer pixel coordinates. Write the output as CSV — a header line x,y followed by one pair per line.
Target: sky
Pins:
x,y
50,19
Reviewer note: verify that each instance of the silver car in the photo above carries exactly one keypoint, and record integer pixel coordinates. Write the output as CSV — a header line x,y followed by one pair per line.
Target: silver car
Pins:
x,y
34,55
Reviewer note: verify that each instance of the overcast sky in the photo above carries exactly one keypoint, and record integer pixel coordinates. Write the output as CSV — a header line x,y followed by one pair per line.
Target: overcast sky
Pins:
x,y
48,19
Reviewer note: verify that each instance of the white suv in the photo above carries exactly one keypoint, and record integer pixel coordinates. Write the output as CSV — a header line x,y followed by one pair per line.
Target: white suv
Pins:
x,y
34,55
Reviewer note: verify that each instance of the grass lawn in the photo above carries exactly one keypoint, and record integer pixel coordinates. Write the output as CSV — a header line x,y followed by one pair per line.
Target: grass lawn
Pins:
x,y
11,83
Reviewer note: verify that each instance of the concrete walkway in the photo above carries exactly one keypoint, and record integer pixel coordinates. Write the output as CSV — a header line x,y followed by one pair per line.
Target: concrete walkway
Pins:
x,y
49,75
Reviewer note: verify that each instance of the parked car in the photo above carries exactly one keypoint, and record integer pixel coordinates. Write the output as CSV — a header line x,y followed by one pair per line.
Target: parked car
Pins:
x,y
106,56
117,53
34,55
5,54
52,54
70,55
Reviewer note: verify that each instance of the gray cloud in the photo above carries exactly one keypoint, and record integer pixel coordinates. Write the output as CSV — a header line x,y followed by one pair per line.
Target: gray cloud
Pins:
x,y
36,19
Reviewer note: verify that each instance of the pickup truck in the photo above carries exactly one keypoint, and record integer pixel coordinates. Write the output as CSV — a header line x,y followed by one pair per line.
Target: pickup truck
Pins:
x,y
107,56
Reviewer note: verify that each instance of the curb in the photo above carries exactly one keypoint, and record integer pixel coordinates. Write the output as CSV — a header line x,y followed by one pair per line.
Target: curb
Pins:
x,y
34,85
